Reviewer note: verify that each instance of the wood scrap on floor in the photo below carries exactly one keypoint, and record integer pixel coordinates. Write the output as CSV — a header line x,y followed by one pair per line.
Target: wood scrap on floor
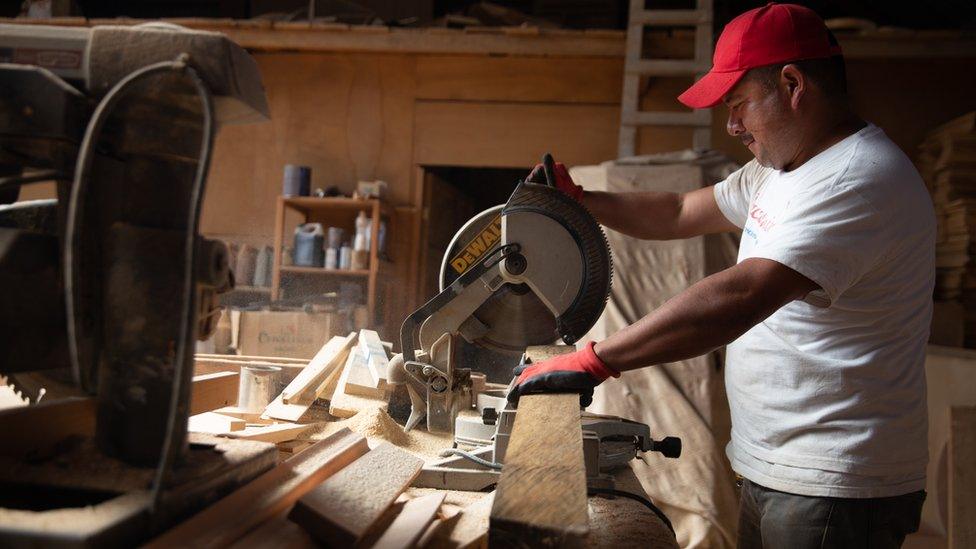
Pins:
x,y
214,423
410,523
267,496
541,494
305,388
344,508
212,391
277,533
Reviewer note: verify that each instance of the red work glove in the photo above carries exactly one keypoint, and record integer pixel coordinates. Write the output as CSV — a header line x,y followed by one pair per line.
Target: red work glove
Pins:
x,y
563,181
577,372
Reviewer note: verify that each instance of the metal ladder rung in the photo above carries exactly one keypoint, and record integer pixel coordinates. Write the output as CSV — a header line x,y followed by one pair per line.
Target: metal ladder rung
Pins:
x,y
668,18
666,67
698,118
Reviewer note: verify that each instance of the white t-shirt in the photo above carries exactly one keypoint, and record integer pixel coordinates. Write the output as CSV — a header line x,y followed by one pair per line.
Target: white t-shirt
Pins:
x,y
828,394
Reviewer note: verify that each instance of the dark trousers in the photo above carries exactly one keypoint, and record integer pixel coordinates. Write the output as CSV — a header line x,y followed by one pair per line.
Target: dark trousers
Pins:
x,y
770,519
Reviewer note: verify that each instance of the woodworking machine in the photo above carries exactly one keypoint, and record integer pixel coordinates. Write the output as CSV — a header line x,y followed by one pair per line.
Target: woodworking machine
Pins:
x,y
530,272
106,288
527,273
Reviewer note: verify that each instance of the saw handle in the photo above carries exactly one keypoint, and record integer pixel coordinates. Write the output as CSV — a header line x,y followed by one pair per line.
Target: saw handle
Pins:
x,y
549,167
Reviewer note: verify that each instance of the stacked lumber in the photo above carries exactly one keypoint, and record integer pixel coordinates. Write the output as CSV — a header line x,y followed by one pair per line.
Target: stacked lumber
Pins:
x,y
947,163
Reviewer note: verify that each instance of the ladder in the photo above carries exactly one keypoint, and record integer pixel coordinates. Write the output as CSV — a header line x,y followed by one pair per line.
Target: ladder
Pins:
x,y
635,66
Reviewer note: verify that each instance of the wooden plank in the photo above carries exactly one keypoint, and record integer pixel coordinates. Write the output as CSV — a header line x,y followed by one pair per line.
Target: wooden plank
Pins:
x,y
250,358
667,67
279,432
698,118
375,355
541,494
962,476
344,508
664,18
212,391
209,366
481,134
410,523
270,494
533,79
356,378
214,423
293,411
330,356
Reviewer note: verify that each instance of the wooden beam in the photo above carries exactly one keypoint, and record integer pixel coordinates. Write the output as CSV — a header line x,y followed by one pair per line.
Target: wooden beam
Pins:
x,y
541,495
410,523
343,509
212,391
962,476
466,530
267,496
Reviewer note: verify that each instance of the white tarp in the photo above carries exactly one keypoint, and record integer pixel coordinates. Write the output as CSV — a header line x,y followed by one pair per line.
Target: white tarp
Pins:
x,y
687,398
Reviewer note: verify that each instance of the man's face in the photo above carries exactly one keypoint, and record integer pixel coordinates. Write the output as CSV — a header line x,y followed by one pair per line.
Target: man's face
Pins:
x,y
763,120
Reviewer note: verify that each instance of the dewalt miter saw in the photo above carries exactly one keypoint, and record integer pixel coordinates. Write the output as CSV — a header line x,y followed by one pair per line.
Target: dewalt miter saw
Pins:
x,y
536,269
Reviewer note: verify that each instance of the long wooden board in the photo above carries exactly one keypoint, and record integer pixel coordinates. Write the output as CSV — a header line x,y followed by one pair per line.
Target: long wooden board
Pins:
x,y
270,494
962,476
321,378
279,432
343,509
540,499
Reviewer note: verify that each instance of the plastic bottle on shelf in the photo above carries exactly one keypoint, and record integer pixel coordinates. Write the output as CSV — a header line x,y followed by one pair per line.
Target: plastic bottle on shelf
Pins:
x,y
361,241
345,257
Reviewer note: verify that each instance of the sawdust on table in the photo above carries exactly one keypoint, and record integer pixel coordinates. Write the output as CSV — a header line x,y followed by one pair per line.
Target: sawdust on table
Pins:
x,y
375,424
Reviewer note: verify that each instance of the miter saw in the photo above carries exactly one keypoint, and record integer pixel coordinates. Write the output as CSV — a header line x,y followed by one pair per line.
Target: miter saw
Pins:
x,y
526,273
537,270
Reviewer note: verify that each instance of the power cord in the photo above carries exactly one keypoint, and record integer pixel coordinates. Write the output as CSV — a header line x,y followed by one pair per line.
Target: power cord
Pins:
x,y
640,499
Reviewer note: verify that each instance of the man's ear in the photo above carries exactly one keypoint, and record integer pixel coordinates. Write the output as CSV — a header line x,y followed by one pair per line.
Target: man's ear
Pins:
x,y
794,83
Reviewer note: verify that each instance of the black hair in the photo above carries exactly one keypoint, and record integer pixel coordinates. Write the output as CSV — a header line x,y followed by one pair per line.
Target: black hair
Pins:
x,y
827,73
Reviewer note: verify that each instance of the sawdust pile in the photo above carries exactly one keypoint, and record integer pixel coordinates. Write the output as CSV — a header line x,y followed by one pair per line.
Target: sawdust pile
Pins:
x,y
376,423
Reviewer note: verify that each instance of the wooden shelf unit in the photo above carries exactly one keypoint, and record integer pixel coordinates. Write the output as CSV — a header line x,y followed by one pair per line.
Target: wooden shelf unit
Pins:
x,y
335,212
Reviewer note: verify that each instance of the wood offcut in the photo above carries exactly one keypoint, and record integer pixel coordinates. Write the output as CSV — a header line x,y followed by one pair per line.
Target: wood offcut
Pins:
x,y
344,508
541,494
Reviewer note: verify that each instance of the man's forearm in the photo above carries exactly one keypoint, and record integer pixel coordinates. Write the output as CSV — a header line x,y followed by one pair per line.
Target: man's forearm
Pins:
x,y
706,316
645,215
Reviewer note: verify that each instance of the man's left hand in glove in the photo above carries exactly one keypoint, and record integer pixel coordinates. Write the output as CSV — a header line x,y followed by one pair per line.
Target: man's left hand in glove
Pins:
x,y
577,372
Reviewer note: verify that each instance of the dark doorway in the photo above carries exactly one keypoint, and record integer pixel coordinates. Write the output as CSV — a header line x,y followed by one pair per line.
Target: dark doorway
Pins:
x,y
452,196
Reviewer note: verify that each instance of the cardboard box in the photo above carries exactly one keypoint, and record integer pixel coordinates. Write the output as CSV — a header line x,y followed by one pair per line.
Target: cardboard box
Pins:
x,y
284,333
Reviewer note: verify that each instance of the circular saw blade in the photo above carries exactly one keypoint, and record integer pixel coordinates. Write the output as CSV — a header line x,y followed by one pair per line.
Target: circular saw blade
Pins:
x,y
514,317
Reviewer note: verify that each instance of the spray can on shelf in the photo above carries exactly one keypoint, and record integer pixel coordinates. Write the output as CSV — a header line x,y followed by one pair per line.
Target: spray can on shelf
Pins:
x,y
331,258
345,257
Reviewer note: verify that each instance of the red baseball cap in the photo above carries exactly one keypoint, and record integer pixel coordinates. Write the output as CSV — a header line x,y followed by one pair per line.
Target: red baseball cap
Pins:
x,y
774,33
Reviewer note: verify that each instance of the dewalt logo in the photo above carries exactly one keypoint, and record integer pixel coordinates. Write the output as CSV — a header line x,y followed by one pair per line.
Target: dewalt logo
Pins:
x,y
479,246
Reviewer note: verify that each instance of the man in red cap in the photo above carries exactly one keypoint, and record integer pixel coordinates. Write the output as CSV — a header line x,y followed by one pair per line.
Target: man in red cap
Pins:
x,y
826,314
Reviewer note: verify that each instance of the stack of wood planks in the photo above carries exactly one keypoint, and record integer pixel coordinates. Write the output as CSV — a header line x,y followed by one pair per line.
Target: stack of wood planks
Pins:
x,y
947,162
349,371
338,493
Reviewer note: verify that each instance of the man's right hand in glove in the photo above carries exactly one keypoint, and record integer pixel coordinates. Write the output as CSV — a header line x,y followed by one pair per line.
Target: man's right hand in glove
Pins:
x,y
576,372
563,181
